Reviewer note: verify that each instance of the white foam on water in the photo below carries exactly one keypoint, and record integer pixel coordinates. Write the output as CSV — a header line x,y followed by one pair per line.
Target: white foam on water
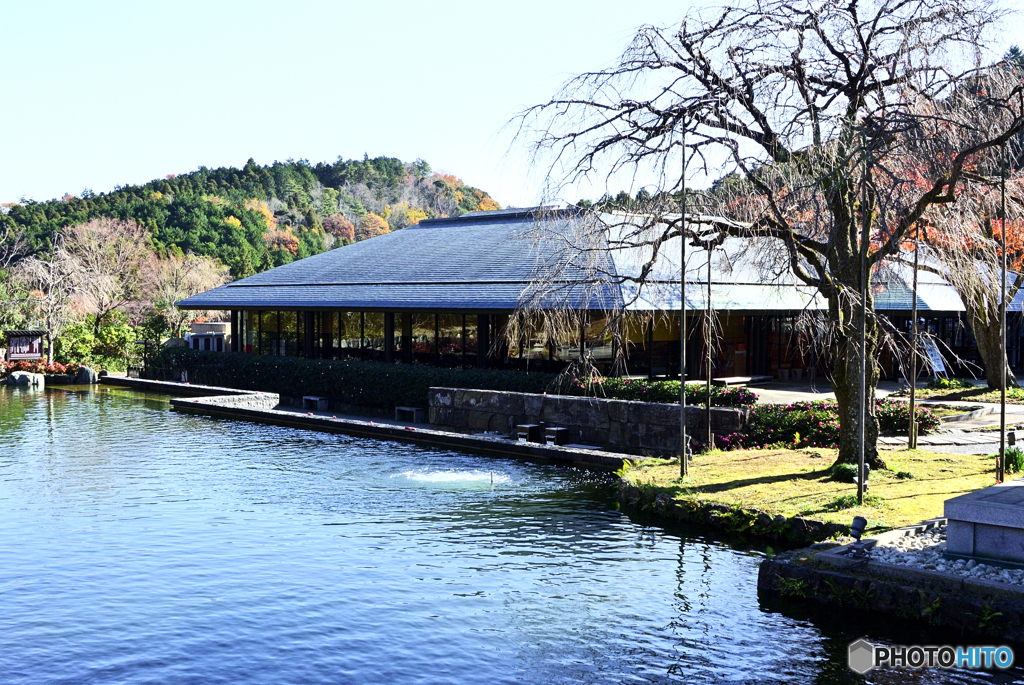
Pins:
x,y
474,477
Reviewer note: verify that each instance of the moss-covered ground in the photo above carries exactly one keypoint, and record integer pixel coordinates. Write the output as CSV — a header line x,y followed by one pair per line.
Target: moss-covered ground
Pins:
x,y
799,483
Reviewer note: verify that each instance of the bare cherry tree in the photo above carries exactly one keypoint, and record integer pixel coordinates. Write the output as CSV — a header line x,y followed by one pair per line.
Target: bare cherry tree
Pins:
x,y
179,277
112,261
963,243
52,282
806,104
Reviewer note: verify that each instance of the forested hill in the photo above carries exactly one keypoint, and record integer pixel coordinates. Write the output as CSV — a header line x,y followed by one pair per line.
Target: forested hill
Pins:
x,y
259,217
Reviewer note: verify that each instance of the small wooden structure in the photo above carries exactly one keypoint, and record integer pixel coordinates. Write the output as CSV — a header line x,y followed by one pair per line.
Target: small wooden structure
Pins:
x,y
24,344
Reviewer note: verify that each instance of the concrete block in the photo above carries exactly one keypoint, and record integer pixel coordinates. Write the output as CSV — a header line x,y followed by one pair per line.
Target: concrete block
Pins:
x,y
999,542
960,538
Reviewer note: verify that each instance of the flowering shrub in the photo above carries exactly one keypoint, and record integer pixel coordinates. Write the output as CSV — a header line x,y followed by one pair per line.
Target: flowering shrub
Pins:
x,y
893,417
816,424
667,392
38,366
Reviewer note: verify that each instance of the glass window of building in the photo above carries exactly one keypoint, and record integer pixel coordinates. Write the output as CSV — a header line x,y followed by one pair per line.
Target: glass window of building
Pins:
x,y
374,334
349,332
449,340
289,334
268,333
423,341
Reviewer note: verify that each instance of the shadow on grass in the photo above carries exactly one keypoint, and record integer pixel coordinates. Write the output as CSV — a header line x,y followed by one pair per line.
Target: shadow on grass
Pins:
x,y
763,480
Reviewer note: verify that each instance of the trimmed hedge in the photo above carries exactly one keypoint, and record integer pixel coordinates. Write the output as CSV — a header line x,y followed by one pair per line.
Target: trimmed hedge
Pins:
x,y
663,392
385,386
363,383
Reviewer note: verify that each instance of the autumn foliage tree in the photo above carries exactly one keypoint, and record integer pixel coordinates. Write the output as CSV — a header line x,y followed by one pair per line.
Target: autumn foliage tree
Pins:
x,y
371,226
809,104
337,225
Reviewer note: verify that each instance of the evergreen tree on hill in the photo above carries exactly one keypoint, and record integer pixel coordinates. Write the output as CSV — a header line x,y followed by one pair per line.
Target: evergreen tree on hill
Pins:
x,y
258,217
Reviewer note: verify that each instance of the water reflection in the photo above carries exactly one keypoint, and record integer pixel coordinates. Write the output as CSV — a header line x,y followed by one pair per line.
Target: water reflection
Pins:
x,y
142,545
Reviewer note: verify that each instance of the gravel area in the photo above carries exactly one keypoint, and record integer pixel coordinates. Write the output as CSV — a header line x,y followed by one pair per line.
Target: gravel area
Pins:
x,y
926,550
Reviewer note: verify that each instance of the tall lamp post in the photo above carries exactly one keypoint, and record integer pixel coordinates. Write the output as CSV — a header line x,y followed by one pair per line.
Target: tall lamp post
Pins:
x,y
912,428
1002,320
684,465
864,244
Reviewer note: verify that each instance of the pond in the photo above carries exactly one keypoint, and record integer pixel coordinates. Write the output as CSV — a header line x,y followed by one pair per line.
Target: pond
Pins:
x,y
140,545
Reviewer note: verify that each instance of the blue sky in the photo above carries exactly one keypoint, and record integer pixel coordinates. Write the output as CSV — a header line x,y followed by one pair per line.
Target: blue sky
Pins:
x,y
105,93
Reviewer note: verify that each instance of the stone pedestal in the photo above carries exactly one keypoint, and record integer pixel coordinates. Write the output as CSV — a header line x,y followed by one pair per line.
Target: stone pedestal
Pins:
x,y
988,524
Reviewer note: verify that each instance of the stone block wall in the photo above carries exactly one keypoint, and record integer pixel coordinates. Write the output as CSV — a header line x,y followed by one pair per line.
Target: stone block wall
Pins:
x,y
642,428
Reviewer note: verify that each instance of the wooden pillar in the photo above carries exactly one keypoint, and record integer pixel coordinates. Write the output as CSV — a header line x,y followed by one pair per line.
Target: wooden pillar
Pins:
x,y
407,337
389,337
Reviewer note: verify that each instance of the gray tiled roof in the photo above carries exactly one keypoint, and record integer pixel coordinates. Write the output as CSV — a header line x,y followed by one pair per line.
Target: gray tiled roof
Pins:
x,y
489,261
480,261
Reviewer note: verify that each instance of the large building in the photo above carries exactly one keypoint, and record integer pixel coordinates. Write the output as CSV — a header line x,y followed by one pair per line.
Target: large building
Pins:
x,y
442,292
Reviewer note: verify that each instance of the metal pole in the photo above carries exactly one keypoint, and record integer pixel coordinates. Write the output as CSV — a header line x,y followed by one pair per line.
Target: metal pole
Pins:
x,y
1002,322
912,428
684,466
864,241
707,342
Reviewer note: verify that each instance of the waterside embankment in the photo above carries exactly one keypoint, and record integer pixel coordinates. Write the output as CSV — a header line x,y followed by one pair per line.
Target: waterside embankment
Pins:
x,y
266,407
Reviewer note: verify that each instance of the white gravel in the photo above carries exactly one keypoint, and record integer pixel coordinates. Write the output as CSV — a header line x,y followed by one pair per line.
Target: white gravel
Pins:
x,y
926,550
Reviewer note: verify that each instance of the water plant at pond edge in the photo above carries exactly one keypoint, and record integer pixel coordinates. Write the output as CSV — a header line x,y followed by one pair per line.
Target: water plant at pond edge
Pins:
x,y
816,424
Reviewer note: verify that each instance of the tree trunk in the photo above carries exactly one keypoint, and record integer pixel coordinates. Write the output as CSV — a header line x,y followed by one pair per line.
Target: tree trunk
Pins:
x,y
987,334
846,382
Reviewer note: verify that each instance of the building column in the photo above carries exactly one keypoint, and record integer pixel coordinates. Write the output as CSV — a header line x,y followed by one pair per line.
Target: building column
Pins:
x,y
483,339
407,337
235,316
327,335
309,335
389,336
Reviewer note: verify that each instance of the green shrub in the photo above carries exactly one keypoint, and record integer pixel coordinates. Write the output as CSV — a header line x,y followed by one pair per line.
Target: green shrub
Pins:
x,y
904,475
844,473
850,501
949,384
1013,460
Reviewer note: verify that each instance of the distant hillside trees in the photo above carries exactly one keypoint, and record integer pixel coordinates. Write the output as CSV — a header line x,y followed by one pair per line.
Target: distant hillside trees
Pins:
x,y
257,217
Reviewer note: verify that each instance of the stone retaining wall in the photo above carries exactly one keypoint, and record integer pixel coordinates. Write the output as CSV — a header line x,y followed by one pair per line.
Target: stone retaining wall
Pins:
x,y
974,607
642,428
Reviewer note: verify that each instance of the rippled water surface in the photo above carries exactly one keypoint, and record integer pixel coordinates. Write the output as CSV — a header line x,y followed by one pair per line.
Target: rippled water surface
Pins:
x,y
139,545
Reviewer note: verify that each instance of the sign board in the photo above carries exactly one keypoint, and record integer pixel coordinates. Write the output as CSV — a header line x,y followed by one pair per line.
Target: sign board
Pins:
x,y
934,357
25,345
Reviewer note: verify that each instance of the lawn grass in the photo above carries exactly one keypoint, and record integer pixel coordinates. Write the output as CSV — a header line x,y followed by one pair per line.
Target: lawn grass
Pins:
x,y
798,483
944,410
982,394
